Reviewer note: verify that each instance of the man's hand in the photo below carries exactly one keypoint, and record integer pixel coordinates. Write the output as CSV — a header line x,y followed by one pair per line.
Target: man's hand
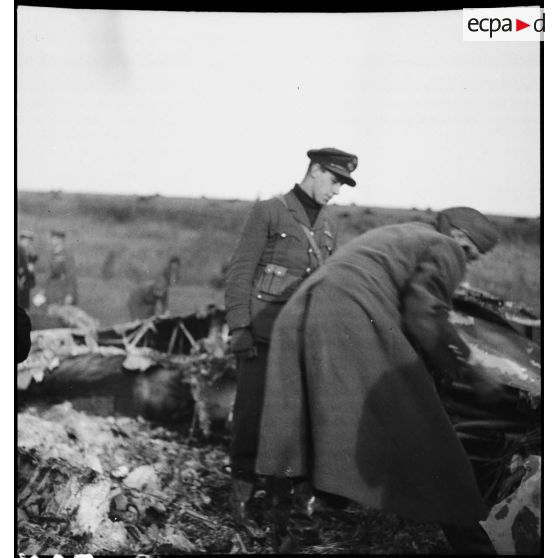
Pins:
x,y
242,343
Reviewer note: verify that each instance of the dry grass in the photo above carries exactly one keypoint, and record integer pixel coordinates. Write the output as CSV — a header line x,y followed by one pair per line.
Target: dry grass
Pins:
x,y
122,240
106,299
511,271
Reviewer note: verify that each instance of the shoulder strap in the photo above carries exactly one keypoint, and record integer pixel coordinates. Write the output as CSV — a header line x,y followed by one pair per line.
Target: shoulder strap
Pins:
x,y
308,233
283,201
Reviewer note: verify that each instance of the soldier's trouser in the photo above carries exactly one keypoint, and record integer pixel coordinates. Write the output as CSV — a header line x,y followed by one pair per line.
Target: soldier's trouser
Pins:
x,y
250,382
471,540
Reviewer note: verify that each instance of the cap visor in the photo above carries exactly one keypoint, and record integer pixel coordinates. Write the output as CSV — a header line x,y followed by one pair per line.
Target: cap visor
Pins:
x,y
344,177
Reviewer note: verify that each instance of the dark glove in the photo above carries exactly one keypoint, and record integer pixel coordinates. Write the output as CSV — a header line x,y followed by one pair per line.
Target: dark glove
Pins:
x,y
242,343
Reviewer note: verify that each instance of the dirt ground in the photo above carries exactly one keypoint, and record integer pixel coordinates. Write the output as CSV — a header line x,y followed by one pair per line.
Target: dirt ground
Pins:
x,y
119,485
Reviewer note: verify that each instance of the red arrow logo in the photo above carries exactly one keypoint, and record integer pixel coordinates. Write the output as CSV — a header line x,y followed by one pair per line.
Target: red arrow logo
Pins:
x,y
519,25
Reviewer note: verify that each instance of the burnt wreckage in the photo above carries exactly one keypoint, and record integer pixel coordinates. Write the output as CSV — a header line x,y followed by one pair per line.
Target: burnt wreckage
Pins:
x,y
180,370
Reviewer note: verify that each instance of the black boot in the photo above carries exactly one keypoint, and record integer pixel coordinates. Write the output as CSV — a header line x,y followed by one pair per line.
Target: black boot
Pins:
x,y
303,499
242,491
280,492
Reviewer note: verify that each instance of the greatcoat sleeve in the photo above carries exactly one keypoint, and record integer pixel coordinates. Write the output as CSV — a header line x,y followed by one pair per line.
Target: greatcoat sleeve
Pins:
x,y
244,262
426,306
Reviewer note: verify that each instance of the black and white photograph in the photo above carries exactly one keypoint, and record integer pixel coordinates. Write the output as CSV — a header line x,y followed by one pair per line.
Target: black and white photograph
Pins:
x,y
278,281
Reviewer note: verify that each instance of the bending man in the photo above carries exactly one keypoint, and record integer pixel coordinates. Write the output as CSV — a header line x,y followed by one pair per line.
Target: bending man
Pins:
x,y
350,401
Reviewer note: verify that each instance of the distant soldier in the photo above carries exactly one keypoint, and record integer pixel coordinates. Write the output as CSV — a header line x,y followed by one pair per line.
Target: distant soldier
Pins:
x,y
61,286
151,298
26,258
171,273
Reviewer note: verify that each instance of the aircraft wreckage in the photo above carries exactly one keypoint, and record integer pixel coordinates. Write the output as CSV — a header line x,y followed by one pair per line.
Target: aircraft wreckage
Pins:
x,y
180,370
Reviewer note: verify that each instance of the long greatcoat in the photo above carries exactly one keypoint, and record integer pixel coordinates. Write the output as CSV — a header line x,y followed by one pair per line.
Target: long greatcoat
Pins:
x,y
349,401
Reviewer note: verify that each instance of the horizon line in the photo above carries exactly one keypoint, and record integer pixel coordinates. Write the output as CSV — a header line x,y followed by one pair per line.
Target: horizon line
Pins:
x,y
252,200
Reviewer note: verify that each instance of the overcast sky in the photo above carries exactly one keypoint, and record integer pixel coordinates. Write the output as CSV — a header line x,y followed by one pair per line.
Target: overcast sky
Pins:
x,y
226,106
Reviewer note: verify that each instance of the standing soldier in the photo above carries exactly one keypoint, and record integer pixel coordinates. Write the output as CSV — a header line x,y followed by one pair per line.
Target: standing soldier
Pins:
x,y
151,298
148,299
26,258
61,286
171,273
283,241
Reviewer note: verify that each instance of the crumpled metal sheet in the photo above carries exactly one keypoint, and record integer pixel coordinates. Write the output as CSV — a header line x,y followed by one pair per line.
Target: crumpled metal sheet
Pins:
x,y
139,359
511,358
47,347
50,346
514,525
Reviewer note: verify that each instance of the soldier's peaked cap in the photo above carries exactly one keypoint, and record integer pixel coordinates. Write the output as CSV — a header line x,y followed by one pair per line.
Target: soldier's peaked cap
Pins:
x,y
340,163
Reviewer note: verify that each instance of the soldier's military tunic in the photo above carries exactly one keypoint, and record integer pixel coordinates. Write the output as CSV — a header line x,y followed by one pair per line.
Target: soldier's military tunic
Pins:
x,y
273,257
62,280
25,278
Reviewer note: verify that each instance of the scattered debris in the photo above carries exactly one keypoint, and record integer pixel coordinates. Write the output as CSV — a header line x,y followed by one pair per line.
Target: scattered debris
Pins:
x,y
514,525
175,500
113,482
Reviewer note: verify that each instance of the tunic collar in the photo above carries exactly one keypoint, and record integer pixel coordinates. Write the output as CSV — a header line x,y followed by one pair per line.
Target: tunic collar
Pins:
x,y
299,212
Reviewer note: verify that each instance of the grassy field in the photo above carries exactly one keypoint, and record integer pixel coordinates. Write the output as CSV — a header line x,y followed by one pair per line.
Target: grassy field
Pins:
x,y
119,241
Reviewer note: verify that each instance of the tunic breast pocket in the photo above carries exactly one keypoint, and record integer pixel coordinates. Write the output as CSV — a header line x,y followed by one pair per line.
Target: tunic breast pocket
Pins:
x,y
275,282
